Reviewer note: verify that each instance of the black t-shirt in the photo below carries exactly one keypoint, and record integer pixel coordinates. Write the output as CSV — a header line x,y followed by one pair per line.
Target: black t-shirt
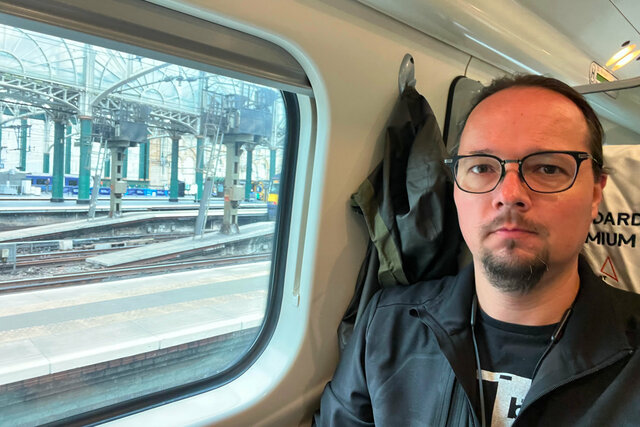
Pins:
x,y
508,355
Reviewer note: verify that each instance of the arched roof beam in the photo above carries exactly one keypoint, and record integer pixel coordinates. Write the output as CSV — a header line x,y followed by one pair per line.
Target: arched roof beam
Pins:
x,y
186,123
60,96
33,112
72,60
42,52
18,60
121,83
105,67
159,117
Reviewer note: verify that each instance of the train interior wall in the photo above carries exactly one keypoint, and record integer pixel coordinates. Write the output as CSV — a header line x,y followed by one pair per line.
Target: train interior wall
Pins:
x,y
618,135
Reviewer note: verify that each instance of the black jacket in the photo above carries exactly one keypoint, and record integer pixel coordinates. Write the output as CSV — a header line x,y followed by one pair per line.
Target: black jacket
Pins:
x,y
411,362
407,205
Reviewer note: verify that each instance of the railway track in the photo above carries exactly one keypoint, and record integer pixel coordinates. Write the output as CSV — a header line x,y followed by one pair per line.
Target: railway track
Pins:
x,y
61,257
78,255
122,273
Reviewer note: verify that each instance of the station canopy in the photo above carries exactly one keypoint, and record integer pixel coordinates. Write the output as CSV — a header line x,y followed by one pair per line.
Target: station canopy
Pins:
x,y
42,74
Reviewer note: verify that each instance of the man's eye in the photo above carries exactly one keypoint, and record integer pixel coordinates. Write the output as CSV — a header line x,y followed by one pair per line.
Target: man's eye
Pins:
x,y
481,169
549,170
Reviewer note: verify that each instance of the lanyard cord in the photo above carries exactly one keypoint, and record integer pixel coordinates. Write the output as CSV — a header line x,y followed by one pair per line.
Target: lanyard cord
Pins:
x,y
474,308
555,337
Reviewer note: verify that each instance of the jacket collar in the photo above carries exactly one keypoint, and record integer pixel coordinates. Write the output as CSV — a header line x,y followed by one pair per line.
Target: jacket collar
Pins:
x,y
450,308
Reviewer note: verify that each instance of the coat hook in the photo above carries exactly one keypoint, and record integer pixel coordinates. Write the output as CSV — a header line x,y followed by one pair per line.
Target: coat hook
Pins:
x,y
406,75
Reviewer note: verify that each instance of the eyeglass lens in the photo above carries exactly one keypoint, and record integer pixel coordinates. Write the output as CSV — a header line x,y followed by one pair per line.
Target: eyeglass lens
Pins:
x,y
544,172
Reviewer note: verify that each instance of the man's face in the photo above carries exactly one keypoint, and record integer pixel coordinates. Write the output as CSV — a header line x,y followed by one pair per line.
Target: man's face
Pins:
x,y
512,228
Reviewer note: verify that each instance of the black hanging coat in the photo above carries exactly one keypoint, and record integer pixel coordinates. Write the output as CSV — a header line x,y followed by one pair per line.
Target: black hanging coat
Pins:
x,y
408,207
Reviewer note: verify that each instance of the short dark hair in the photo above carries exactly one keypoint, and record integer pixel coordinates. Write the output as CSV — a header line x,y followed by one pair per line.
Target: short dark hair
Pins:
x,y
596,133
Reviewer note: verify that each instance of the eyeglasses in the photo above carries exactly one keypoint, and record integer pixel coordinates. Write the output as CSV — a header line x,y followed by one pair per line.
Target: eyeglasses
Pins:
x,y
543,172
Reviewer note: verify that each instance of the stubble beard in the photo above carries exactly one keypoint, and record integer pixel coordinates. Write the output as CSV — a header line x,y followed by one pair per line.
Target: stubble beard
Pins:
x,y
512,273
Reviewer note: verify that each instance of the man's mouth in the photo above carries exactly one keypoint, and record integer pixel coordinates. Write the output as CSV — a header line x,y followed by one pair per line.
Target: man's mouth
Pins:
x,y
512,231
513,226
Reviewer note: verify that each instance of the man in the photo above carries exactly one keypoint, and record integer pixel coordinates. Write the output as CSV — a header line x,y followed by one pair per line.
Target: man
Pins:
x,y
554,344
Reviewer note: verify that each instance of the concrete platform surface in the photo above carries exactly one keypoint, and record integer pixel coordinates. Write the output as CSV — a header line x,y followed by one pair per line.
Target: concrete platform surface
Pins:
x,y
130,204
42,231
49,331
157,250
51,229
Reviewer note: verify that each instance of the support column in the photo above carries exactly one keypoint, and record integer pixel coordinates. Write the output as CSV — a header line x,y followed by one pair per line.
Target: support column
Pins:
x,y
57,185
232,189
118,184
67,150
86,139
247,178
143,161
203,84
199,165
173,187
107,165
272,163
201,220
84,173
46,160
23,145
125,162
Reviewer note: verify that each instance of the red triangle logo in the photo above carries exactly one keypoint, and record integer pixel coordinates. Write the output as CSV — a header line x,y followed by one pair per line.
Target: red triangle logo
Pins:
x,y
608,270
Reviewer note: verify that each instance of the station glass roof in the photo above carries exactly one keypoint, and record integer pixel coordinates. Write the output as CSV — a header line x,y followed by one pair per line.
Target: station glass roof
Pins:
x,y
68,63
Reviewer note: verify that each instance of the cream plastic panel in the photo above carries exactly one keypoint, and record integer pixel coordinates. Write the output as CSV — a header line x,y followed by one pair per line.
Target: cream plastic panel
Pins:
x,y
508,35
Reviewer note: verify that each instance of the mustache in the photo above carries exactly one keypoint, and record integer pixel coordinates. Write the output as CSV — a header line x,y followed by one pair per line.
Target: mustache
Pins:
x,y
513,219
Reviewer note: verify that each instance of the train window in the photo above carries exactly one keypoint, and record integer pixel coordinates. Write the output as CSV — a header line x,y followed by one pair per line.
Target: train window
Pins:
x,y
140,261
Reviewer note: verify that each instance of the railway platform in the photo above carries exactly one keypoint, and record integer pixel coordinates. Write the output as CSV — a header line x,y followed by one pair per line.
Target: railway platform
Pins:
x,y
60,229
158,251
55,330
10,205
130,204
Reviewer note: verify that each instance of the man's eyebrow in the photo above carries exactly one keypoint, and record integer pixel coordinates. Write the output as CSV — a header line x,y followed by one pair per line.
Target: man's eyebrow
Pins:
x,y
483,151
490,151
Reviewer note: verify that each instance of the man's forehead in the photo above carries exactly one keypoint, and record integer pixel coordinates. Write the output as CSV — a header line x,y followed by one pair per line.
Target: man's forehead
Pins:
x,y
526,96
544,117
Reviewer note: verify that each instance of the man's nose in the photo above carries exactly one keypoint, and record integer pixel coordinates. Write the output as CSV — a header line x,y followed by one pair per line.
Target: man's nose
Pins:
x,y
512,191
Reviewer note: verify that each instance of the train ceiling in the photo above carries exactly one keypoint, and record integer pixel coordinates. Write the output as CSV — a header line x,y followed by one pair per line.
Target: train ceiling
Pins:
x,y
598,27
553,37
550,37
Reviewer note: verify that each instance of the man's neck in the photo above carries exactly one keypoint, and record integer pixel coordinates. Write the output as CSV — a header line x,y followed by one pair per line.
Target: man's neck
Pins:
x,y
545,304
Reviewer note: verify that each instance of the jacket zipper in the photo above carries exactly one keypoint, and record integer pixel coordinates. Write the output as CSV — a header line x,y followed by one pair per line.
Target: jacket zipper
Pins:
x,y
431,324
459,401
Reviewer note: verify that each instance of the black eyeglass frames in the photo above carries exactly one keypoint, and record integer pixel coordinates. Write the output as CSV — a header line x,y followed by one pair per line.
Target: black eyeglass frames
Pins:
x,y
542,172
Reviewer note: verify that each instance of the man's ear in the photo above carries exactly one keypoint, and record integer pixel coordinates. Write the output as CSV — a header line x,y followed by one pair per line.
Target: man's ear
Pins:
x,y
598,186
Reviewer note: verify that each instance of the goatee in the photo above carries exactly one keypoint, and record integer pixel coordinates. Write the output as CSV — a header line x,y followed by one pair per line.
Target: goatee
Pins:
x,y
513,274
